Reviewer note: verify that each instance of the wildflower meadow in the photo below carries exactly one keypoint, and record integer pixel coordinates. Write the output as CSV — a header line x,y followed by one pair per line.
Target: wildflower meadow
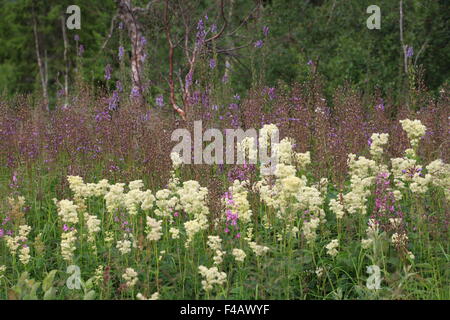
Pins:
x,y
307,188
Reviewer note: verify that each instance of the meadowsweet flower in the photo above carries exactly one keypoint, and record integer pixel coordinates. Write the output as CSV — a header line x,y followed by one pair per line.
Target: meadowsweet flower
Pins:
x,y
378,141
175,233
414,130
240,202
131,277
153,229
93,225
309,229
24,254
258,250
68,240
67,211
212,276
177,161
366,243
148,199
337,208
2,271
115,197
124,246
332,247
154,296
319,272
239,255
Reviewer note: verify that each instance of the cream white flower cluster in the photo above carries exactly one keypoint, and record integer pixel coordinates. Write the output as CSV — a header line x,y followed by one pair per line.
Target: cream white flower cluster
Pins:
x,y
154,229
154,296
177,161
68,247
67,210
126,244
332,247
309,229
18,243
93,225
240,202
337,208
131,277
215,244
174,232
82,190
414,130
211,277
239,254
362,176
372,234
379,140
192,199
2,271
440,175
257,249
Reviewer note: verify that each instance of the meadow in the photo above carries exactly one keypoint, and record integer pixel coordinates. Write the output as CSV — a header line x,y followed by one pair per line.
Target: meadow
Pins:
x,y
94,206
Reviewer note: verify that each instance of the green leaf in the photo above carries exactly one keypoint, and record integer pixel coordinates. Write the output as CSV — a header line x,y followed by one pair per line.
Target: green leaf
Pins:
x,y
90,295
50,294
48,281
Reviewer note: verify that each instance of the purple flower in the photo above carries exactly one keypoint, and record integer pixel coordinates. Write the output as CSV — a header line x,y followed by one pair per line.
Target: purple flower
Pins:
x,y
2,233
108,71
121,52
237,97
143,41
409,52
212,63
76,37
259,44
310,62
188,79
114,101
160,101
214,28
80,50
380,107
119,86
135,92
265,31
